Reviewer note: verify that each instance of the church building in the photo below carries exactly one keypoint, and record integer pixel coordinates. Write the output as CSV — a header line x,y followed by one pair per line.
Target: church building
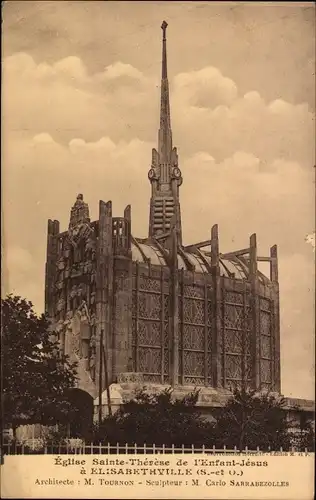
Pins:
x,y
161,310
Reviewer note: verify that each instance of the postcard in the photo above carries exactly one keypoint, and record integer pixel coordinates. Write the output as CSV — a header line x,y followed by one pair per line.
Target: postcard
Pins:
x,y
158,245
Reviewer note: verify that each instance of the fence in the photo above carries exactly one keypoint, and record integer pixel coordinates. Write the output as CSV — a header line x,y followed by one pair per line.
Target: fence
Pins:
x,y
36,446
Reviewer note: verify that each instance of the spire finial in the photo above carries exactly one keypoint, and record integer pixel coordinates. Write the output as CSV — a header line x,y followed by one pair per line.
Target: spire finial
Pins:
x,y
164,27
164,51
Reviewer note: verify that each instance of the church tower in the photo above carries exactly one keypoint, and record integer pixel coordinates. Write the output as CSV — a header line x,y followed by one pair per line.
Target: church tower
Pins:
x,y
165,176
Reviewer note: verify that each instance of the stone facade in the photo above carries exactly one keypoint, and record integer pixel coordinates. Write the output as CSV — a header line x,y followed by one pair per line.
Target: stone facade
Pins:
x,y
175,314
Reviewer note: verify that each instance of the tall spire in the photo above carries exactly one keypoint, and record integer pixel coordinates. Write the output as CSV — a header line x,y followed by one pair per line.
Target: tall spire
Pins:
x,y
164,175
165,134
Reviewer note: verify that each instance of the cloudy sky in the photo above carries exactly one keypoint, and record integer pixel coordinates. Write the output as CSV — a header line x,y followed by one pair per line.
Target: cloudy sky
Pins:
x,y
80,114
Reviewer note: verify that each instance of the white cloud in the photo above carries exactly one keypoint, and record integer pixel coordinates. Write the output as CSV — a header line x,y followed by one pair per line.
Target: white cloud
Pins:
x,y
71,66
62,98
121,69
19,64
245,195
207,112
43,139
269,131
80,145
206,88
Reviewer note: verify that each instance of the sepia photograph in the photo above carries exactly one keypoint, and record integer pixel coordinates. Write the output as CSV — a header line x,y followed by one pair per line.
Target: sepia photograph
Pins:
x,y
158,240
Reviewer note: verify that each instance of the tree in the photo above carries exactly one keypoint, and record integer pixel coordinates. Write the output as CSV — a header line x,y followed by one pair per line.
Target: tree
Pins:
x,y
254,420
35,375
302,431
157,419
307,437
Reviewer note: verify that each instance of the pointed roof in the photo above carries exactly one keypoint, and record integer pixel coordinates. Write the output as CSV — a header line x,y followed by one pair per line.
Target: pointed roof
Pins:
x,y
79,212
165,133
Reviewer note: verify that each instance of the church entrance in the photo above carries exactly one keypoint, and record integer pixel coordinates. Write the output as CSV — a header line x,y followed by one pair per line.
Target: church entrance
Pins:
x,y
80,419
